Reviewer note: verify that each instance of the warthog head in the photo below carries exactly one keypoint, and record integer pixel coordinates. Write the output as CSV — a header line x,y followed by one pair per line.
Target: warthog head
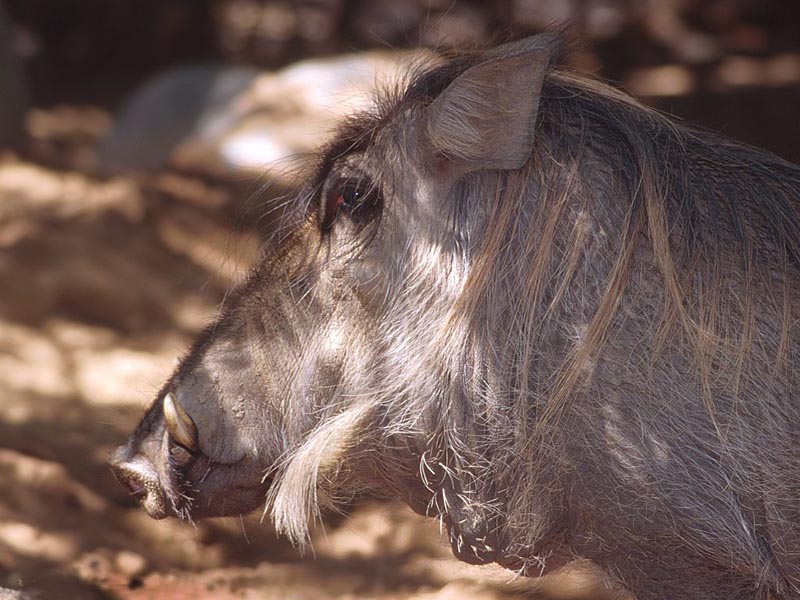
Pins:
x,y
330,349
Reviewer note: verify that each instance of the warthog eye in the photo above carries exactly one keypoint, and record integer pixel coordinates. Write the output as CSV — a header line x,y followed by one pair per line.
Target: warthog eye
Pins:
x,y
356,198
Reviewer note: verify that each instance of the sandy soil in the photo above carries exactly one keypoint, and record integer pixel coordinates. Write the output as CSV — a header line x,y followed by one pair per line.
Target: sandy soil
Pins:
x,y
103,283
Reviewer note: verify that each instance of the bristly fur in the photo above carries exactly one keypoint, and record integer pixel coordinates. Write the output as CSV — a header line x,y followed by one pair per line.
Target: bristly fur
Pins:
x,y
558,321
637,275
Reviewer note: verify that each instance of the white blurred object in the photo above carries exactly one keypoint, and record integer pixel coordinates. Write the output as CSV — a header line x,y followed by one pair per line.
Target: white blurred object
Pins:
x,y
231,120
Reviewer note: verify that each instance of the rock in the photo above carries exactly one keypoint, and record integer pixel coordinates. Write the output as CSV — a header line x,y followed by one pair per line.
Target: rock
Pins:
x,y
228,121
289,109
129,563
52,585
94,568
177,105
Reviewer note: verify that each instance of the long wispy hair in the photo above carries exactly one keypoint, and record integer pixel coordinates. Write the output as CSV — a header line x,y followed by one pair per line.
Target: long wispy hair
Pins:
x,y
630,250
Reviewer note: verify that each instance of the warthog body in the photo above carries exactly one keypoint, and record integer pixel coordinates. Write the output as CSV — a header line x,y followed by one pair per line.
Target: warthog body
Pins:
x,y
527,305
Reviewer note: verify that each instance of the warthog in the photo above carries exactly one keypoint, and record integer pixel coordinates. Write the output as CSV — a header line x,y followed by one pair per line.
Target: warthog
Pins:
x,y
527,305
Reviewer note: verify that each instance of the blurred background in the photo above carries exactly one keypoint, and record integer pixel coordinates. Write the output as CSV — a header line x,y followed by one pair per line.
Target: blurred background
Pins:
x,y
141,143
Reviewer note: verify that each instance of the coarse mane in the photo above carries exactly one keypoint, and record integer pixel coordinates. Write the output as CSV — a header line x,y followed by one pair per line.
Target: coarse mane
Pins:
x,y
719,220
698,236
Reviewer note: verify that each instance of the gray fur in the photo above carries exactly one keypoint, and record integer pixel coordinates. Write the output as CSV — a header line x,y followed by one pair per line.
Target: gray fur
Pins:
x,y
590,354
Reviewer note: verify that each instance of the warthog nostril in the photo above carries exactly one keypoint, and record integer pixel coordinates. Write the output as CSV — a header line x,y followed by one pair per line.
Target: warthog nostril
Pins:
x,y
137,474
135,486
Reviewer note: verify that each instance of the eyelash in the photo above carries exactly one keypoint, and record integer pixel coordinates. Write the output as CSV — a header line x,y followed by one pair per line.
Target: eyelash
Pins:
x,y
356,198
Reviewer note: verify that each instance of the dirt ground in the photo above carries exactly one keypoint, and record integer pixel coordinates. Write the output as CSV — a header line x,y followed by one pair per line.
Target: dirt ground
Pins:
x,y
103,283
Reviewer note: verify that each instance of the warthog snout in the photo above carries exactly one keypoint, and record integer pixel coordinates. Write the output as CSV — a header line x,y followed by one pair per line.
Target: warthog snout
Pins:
x,y
140,479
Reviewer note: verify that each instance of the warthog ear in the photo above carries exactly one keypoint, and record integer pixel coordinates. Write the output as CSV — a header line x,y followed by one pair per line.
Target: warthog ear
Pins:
x,y
485,118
